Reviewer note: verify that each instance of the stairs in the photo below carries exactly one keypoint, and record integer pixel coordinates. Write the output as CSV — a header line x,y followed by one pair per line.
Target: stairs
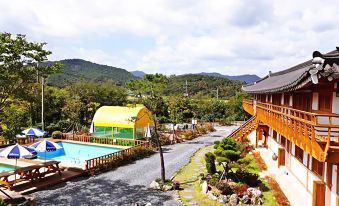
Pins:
x,y
245,129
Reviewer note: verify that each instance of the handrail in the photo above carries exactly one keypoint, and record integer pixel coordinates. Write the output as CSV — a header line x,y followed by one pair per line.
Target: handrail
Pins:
x,y
307,130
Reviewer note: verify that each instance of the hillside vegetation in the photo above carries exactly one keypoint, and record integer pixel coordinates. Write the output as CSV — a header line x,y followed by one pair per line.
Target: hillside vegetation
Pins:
x,y
74,70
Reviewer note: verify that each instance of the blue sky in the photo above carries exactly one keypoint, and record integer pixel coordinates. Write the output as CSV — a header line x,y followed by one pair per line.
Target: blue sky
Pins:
x,y
174,37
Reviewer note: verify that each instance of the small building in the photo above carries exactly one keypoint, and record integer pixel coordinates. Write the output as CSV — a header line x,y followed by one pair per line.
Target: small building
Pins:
x,y
122,122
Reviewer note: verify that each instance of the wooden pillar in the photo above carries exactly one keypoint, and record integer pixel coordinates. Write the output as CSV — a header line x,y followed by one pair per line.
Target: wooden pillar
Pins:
x,y
258,136
281,157
318,193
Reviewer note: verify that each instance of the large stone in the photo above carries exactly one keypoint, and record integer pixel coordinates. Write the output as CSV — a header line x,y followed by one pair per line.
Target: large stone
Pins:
x,y
223,199
254,192
167,187
233,200
245,199
211,196
154,185
204,187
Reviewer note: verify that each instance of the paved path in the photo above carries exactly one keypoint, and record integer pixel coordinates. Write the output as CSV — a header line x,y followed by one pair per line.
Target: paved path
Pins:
x,y
128,185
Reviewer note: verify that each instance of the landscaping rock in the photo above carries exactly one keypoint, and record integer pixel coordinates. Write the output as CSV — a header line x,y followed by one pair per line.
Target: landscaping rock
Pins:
x,y
204,187
254,192
233,200
211,196
245,199
154,185
223,199
167,187
256,201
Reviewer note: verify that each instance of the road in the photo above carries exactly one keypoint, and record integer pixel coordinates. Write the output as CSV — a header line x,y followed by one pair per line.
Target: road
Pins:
x,y
128,185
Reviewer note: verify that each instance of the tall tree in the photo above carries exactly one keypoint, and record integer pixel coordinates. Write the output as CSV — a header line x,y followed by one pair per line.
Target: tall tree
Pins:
x,y
19,60
149,89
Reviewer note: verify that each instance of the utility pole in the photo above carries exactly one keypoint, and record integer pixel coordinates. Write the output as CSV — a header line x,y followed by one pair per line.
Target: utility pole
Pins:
x,y
42,103
186,89
217,90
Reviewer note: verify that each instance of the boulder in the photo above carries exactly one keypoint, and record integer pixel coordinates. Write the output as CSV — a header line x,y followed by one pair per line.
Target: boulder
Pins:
x,y
223,199
154,185
167,187
204,187
211,196
233,200
254,192
245,199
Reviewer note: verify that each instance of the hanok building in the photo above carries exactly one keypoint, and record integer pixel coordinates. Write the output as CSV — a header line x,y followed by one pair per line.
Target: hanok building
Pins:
x,y
295,114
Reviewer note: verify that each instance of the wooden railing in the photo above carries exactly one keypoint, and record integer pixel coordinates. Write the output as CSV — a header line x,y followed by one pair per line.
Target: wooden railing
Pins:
x,y
96,162
245,129
248,106
312,132
102,139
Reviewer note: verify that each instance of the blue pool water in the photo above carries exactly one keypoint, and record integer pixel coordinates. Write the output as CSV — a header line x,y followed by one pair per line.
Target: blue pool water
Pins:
x,y
77,153
6,167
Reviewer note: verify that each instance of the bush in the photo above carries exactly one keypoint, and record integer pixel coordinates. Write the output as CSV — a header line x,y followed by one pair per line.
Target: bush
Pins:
x,y
209,127
57,135
224,188
250,179
213,180
240,189
210,163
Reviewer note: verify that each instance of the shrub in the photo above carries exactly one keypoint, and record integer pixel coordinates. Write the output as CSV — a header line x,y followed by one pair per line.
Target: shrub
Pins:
x,y
209,127
224,188
57,135
2,202
213,180
250,179
210,163
240,189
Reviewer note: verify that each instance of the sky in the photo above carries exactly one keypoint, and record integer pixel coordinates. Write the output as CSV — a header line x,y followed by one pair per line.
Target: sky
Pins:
x,y
231,37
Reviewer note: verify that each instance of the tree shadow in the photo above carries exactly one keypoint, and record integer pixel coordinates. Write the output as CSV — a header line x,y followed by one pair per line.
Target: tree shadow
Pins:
x,y
100,192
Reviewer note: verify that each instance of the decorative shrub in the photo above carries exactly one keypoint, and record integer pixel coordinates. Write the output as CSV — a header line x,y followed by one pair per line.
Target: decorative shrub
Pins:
x,y
240,189
224,187
57,135
213,180
250,179
210,163
209,127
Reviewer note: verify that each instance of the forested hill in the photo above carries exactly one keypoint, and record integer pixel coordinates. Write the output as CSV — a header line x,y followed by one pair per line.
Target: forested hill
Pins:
x,y
203,84
248,78
74,70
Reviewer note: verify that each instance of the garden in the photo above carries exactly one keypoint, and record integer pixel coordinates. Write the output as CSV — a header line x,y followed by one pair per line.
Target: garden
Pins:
x,y
228,172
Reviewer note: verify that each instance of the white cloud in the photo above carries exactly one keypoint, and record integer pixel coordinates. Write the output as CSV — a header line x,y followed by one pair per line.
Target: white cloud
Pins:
x,y
231,37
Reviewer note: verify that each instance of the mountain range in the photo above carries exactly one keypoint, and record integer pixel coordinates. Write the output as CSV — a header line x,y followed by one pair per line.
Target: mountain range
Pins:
x,y
74,70
248,78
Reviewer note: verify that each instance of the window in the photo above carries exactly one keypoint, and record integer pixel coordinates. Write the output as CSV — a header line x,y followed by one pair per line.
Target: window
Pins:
x,y
283,141
317,167
302,101
286,99
299,153
325,101
275,135
123,132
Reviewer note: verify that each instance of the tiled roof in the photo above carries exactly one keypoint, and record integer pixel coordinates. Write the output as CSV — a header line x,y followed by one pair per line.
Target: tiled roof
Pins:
x,y
286,80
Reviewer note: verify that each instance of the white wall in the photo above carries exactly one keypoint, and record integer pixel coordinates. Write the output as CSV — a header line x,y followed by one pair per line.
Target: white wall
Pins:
x,y
335,104
252,137
291,101
334,186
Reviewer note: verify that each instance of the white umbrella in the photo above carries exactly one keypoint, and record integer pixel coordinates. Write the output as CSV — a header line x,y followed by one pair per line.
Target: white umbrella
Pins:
x,y
33,132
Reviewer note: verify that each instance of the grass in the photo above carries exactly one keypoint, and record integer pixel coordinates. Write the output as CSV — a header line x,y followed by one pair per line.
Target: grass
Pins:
x,y
187,172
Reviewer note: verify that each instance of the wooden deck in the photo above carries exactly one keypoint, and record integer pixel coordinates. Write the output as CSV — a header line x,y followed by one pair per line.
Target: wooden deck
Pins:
x,y
28,187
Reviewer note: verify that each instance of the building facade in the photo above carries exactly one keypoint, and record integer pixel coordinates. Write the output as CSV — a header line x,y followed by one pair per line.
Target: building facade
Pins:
x,y
295,113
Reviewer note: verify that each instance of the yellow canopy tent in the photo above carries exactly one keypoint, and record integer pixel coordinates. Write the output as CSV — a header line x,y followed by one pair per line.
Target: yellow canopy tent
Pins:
x,y
121,122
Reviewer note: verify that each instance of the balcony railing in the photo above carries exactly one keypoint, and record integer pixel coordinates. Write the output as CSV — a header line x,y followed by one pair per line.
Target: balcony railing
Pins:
x,y
248,106
314,133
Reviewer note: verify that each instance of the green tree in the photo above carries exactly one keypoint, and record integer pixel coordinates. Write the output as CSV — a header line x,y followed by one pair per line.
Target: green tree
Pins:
x,y
19,61
149,89
234,107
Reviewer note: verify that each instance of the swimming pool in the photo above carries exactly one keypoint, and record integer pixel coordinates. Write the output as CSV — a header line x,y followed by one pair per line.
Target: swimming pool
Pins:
x,y
77,153
6,167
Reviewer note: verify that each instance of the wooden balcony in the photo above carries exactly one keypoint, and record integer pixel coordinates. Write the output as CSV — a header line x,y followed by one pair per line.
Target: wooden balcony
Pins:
x,y
317,134
248,106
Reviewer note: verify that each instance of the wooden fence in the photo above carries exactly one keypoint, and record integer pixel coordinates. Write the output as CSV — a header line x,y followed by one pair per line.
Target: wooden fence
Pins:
x,y
96,162
102,139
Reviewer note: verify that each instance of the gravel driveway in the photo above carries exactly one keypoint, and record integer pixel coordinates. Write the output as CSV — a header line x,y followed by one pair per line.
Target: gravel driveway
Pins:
x,y
128,185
